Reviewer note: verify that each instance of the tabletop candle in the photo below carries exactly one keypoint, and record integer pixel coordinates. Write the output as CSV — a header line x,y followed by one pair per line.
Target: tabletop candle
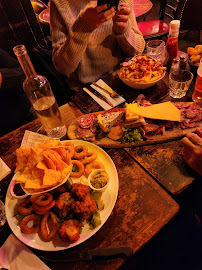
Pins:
x,y
172,42
39,93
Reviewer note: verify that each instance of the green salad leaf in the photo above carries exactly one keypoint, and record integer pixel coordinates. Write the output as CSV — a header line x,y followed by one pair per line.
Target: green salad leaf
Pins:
x,y
131,135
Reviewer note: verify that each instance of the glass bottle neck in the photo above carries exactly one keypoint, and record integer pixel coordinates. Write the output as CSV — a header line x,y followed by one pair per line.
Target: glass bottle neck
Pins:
x,y
173,33
24,60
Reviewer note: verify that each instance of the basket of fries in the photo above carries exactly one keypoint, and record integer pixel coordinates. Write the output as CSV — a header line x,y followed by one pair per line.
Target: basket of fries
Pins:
x,y
142,72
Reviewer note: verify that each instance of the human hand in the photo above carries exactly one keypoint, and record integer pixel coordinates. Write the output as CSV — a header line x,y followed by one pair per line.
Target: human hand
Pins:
x,y
193,150
121,18
94,15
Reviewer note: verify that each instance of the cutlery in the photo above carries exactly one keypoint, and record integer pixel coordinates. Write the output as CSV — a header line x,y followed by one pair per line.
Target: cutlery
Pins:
x,y
99,95
112,94
88,255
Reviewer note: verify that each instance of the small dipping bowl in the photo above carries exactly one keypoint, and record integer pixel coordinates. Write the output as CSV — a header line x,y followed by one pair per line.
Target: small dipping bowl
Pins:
x,y
97,176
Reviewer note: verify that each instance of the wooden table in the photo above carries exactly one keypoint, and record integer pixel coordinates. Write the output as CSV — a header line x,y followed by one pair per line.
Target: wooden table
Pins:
x,y
143,206
141,210
165,161
142,8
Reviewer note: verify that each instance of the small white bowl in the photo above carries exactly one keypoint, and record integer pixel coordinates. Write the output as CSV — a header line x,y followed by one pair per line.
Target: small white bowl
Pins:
x,y
139,85
91,175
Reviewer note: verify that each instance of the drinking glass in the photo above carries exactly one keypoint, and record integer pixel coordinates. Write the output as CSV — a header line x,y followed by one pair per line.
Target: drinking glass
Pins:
x,y
156,50
179,83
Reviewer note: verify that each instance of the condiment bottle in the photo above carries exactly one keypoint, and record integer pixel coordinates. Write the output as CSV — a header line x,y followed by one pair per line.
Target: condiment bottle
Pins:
x,y
197,94
172,42
39,93
175,65
183,62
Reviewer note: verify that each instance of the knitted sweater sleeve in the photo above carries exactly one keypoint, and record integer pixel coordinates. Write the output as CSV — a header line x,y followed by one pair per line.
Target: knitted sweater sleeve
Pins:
x,y
70,36
69,40
131,41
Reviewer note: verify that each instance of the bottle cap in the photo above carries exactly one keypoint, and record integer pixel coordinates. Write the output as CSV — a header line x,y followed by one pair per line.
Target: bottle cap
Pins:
x,y
182,57
175,24
174,28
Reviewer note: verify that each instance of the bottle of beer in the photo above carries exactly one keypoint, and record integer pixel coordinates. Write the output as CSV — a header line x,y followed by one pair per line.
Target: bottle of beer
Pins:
x,y
197,94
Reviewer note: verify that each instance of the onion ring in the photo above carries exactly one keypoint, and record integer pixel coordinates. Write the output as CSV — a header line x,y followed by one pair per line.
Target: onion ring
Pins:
x,y
42,210
80,151
93,165
90,157
70,150
48,236
42,199
36,226
80,167
25,208
68,144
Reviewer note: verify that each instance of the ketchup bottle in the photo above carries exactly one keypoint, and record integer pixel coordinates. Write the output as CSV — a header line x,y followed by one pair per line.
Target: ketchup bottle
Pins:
x,y
197,94
172,42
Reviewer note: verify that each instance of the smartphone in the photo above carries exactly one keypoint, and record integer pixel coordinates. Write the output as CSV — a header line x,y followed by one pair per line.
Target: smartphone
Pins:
x,y
112,3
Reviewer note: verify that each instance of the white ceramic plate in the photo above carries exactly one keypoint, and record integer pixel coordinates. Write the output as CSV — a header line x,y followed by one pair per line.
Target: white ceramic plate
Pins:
x,y
109,197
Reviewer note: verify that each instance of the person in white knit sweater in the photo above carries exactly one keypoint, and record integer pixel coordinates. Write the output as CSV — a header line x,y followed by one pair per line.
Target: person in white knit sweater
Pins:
x,y
88,41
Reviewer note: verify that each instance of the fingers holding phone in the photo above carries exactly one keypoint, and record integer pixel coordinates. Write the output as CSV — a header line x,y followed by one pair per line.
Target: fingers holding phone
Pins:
x,y
95,15
121,18
109,3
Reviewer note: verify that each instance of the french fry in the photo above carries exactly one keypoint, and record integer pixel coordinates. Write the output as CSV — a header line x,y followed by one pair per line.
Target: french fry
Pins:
x,y
142,69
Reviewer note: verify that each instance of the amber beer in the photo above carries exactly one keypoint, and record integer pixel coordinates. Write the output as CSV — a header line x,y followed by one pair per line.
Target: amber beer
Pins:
x,y
39,92
197,94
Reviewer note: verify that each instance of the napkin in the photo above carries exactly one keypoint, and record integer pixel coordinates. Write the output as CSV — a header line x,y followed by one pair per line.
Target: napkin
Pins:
x,y
103,104
4,169
14,255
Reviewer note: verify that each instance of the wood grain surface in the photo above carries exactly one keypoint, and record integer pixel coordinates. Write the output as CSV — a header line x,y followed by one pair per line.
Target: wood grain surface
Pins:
x,y
141,210
166,163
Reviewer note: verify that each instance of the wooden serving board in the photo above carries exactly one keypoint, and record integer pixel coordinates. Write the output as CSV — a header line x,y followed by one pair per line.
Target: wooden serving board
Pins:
x,y
106,142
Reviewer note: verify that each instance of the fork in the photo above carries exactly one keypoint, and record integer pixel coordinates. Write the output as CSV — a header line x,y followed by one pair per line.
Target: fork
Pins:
x,y
112,94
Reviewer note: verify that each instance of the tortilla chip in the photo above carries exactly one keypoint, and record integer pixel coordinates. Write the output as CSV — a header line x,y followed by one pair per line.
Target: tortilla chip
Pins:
x,y
33,184
49,143
26,174
48,161
36,180
41,165
56,158
22,154
66,171
51,177
61,151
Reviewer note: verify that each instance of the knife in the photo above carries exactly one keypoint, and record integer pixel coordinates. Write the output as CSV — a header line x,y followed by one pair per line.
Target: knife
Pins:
x,y
99,95
88,255
112,94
